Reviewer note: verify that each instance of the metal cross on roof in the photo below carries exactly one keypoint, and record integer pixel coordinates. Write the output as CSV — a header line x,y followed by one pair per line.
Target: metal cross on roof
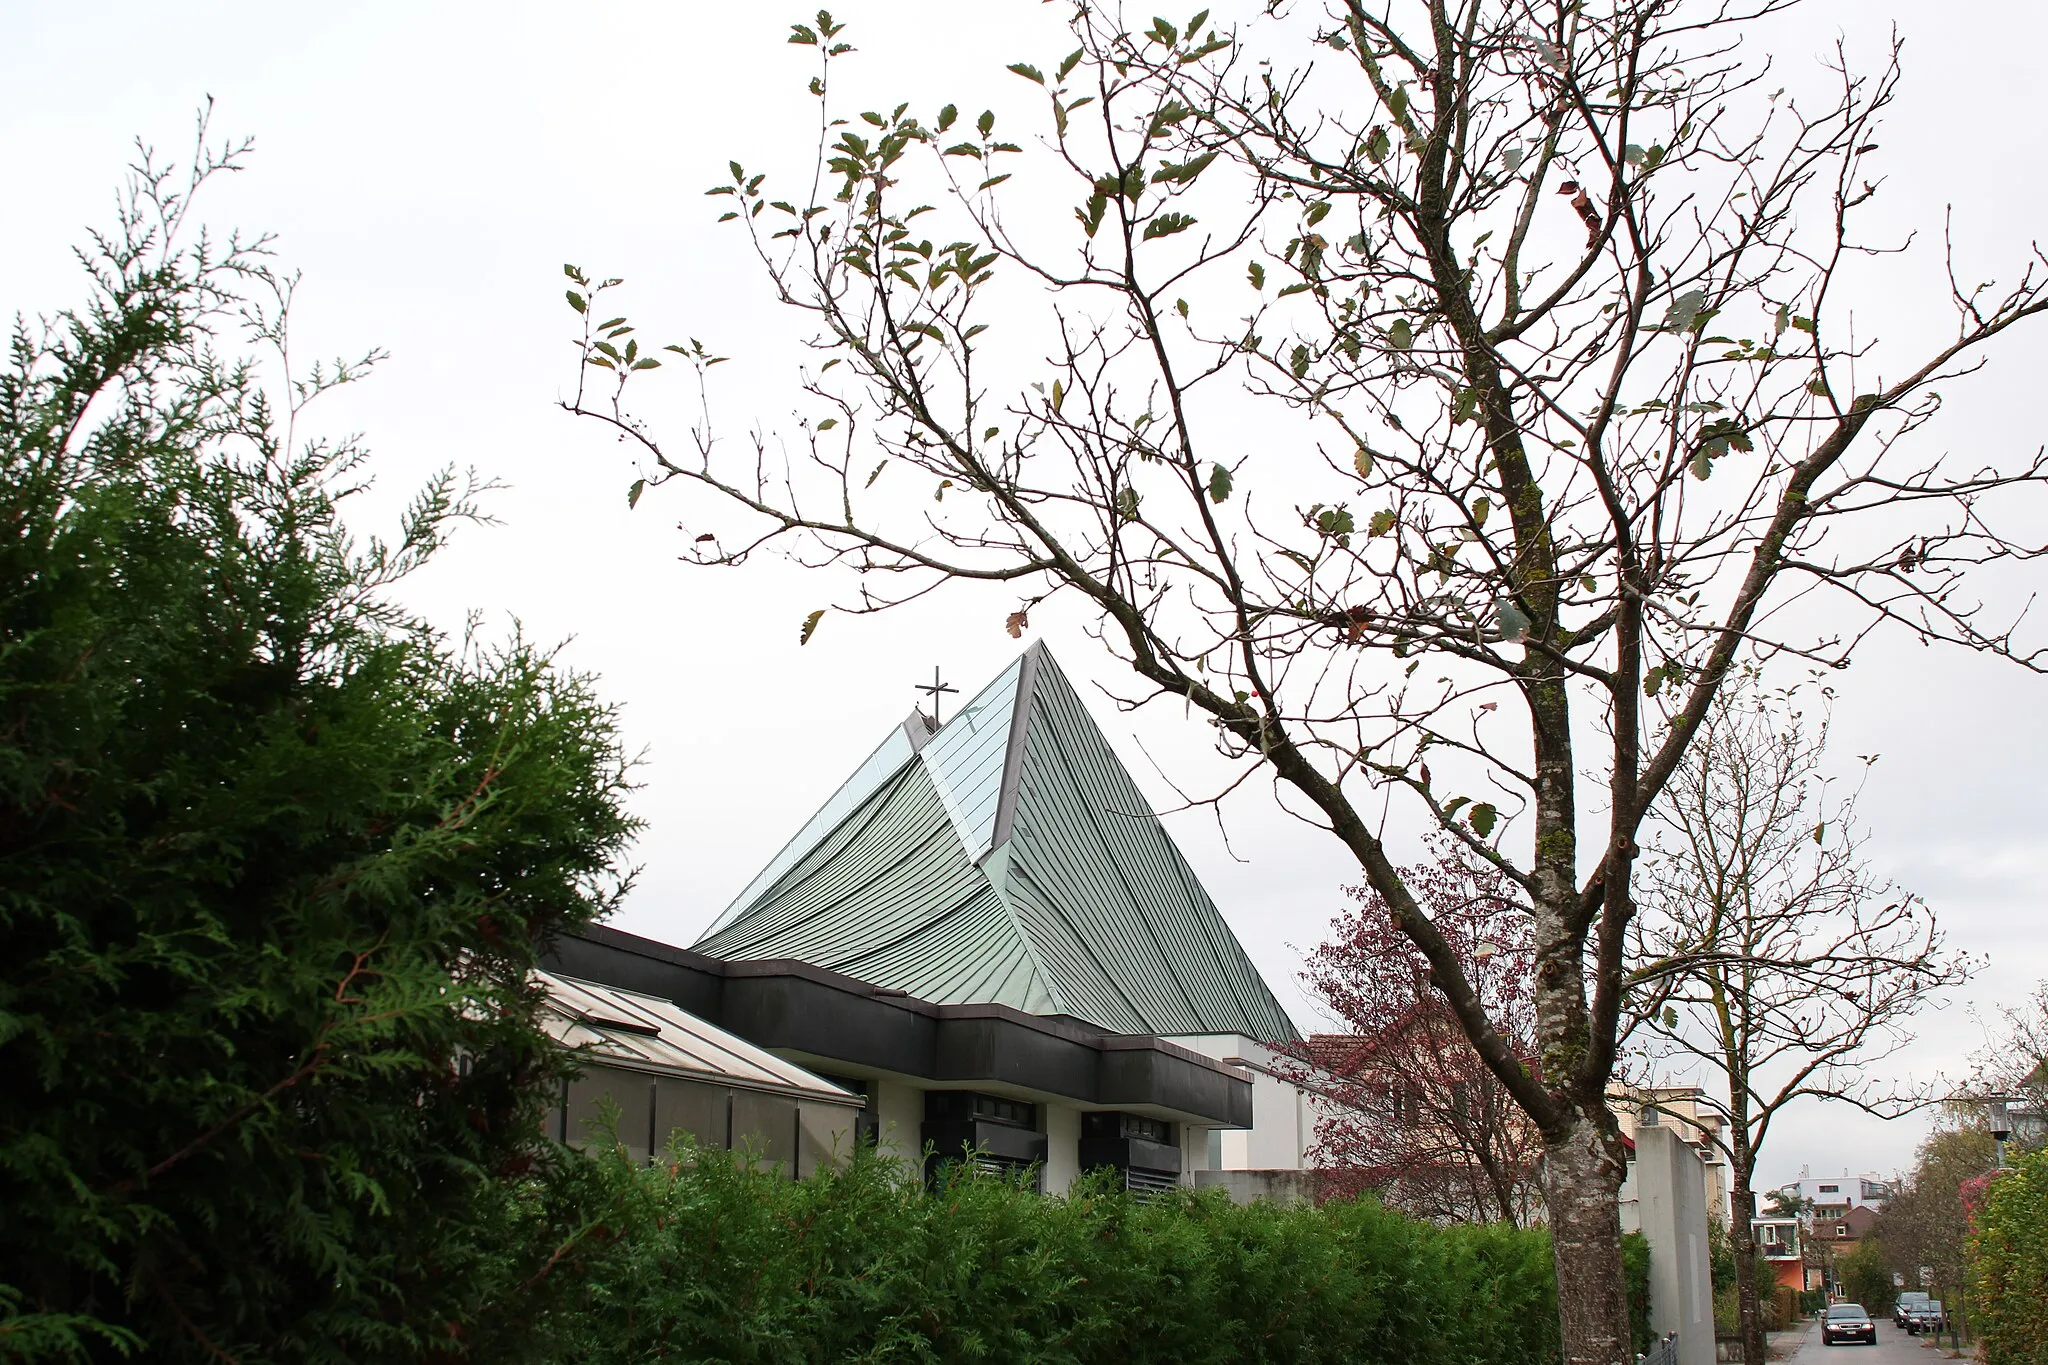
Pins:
x,y
935,687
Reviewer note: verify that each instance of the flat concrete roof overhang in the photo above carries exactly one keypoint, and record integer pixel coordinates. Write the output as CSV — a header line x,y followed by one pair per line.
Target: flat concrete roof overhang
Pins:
x,y
836,1023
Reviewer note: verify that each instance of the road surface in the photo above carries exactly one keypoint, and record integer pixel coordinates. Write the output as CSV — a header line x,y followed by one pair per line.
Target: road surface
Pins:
x,y
1894,1347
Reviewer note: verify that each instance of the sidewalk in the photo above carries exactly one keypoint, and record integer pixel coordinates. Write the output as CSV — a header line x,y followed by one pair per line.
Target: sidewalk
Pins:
x,y
1785,1345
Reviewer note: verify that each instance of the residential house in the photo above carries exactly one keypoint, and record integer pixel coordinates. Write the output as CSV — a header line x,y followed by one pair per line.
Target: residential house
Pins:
x,y
1421,1122
1830,1195
1838,1234
1777,1244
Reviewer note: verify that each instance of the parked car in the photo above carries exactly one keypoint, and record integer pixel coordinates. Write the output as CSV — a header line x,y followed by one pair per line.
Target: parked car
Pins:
x,y
1847,1322
1926,1317
1907,1301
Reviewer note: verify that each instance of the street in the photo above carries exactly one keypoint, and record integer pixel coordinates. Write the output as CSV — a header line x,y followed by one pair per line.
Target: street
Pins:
x,y
1894,1347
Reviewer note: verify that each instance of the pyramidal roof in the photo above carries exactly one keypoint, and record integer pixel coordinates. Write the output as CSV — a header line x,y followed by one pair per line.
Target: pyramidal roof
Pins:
x,y
1006,859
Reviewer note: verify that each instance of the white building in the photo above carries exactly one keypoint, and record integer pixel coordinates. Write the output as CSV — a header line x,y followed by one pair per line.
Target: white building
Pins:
x,y
1841,1192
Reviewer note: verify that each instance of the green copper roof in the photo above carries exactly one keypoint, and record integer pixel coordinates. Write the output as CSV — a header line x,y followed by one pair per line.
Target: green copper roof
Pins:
x,y
1007,859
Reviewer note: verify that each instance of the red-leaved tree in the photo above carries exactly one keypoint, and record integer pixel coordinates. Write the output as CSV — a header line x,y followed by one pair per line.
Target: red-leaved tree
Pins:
x,y
1410,1111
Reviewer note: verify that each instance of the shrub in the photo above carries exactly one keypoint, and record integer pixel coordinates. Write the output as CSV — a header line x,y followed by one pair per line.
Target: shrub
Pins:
x,y
1635,1270
1866,1277
2009,1248
275,860
712,1258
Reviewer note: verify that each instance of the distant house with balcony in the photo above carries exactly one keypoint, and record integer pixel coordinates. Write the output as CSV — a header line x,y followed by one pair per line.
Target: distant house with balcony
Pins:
x,y
1778,1246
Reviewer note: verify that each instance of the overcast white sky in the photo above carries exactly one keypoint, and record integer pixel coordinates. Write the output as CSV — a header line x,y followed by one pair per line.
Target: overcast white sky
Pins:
x,y
430,168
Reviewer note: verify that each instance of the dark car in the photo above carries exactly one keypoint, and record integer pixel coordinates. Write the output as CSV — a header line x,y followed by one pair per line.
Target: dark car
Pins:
x,y
1907,1302
1926,1317
1847,1322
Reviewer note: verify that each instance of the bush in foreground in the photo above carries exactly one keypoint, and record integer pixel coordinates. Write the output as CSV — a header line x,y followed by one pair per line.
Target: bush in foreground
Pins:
x,y
2010,1265
711,1258
275,859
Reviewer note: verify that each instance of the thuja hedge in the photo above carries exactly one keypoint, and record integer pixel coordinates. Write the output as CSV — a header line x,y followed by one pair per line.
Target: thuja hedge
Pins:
x,y
708,1258
2010,1264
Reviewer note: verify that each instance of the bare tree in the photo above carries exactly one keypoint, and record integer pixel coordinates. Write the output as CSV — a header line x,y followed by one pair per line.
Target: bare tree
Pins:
x,y
2010,1086
1927,1222
1511,279
1767,951
1409,1110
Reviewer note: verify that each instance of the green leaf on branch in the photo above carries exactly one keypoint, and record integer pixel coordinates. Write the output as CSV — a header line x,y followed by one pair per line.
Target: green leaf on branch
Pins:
x,y
810,627
1182,172
1483,818
1219,483
1257,274
1166,224
1127,503
1377,146
576,302
1381,523
1028,72
633,493
1401,335
1091,216
1684,309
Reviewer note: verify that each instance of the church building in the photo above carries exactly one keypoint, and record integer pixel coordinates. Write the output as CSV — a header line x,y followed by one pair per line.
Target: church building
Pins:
x,y
988,939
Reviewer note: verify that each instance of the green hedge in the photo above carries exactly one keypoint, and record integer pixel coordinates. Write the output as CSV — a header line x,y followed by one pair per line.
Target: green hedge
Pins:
x,y
2010,1265
711,1259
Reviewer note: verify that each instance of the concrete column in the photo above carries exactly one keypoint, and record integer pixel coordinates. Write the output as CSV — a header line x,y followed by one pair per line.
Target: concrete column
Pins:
x,y
1671,1209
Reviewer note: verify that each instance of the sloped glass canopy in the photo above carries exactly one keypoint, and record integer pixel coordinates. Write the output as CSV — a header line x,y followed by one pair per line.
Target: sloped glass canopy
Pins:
x,y
966,760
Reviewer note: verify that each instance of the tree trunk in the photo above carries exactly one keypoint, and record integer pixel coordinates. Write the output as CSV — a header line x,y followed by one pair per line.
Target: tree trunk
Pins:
x,y
1732,1011
1748,1304
1582,1187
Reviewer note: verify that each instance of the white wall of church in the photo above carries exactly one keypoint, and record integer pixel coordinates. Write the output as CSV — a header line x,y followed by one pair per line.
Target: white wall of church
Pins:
x,y
899,1107
1062,1147
1283,1123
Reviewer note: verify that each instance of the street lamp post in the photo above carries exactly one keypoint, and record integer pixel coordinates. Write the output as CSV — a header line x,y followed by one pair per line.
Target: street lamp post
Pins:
x,y
2001,1126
